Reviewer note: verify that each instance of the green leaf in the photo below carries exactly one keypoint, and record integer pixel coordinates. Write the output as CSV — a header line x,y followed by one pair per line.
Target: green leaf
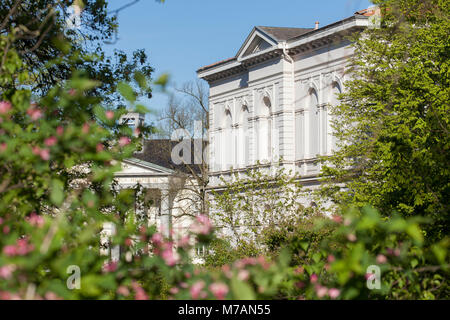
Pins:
x,y
242,290
126,91
57,192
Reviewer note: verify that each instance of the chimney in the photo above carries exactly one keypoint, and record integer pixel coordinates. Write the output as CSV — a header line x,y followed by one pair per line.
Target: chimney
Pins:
x,y
317,25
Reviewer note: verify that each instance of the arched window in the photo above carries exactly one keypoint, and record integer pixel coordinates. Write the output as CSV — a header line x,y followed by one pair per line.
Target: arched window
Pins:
x,y
264,152
313,123
299,135
227,140
334,101
243,138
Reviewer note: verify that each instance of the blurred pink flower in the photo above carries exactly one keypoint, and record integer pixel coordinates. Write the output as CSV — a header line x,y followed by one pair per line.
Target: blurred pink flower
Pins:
x,y
202,225
7,271
170,257
10,250
219,290
331,258
351,237
99,147
313,278
45,154
243,275
321,291
59,131
85,128
3,147
35,220
123,290
381,259
34,113
337,219
174,290
123,141
51,141
334,293
52,296
72,92
110,266
196,289
6,229
5,106
157,239
109,114
139,292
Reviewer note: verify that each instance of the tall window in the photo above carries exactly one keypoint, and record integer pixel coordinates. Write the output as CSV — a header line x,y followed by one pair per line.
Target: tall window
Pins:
x,y
227,141
265,130
299,136
313,124
243,138
334,101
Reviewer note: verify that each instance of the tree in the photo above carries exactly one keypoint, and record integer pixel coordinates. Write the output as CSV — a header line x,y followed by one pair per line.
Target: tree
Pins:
x,y
393,121
186,117
45,31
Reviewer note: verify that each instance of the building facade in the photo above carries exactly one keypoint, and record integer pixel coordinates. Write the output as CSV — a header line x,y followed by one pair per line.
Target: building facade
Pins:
x,y
270,103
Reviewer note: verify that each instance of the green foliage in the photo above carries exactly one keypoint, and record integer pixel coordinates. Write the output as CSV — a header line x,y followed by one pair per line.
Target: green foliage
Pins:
x,y
393,120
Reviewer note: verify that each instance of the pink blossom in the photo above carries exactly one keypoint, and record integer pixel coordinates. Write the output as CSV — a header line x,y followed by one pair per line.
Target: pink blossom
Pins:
x,y
381,259
300,284
334,293
369,276
202,226
157,239
351,237
72,92
187,275
5,106
23,247
139,292
35,220
331,258
6,229
85,128
45,154
184,241
299,270
109,115
110,266
3,147
7,270
36,150
313,278
51,141
337,219
243,275
10,250
184,285
174,290
123,290
59,130
196,289
123,141
226,269
321,291
169,257
99,147
52,296
1,220
219,290
34,113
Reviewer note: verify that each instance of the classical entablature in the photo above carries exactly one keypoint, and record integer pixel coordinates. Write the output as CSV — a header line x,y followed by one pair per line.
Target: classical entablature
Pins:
x,y
265,43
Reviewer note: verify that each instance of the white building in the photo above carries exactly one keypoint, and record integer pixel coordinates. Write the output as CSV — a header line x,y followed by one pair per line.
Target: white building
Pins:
x,y
269,102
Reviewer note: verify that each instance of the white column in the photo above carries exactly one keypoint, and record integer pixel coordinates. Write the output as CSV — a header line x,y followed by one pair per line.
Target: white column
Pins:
x,y
166,214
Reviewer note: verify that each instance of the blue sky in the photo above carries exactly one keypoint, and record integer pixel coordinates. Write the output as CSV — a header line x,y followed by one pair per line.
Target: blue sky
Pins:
x,y
181,36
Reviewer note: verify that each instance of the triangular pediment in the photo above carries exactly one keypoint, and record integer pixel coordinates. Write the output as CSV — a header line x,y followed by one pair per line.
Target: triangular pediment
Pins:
x,y
255,43
136,167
